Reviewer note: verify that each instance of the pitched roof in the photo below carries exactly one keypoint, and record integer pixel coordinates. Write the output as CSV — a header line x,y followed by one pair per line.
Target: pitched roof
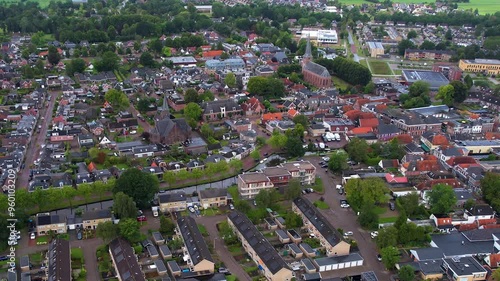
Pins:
x,y
195,244
125,261
264,250
369,122
59,260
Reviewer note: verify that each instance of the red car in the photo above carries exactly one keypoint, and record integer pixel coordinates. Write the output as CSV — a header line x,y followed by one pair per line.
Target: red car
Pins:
x,y
142,218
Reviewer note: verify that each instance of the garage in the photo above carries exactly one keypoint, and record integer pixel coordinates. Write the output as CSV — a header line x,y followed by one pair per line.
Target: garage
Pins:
x,y
334,263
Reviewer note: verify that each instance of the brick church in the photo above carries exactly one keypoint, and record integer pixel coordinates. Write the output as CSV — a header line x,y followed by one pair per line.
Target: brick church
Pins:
x,y
315,74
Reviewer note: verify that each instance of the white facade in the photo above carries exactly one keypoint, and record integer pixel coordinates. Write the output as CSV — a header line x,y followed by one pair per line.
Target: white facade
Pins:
x,y
325,36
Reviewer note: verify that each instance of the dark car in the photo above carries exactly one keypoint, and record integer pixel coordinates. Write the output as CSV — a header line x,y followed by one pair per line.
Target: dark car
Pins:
x,y
4,258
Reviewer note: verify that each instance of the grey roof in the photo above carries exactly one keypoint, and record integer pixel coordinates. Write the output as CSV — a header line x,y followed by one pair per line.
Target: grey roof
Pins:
x,y
173,266
435,79
24,261
464,266
307,248
59,267
386,129
316,69
160,266
481,210
47,220
294,248
164,250
318,220
369,276
152,251
193,240
157,236
413,148
311,276
338,259
476,235
456,244
430,253
125,261
172,197
308,264
215,106
94,215
426,267
266,252
282,234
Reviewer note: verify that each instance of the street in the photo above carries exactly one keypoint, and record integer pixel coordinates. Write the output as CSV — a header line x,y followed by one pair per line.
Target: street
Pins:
x,y
347,220
37,140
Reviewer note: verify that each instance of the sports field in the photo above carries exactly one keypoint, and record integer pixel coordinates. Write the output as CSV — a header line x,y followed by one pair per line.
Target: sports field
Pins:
x,y
379,67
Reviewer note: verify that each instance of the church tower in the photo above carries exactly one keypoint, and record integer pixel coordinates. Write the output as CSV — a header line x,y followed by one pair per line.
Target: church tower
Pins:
x,y
164,111
308,54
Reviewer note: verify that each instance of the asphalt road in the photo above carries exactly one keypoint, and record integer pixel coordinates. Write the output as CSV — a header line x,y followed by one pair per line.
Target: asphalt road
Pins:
x,y
33,150
347,220
354,51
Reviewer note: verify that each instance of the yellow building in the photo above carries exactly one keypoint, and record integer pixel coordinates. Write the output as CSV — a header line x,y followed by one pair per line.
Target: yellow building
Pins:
x,y
215,197
172,202
46,223
93,218
480,65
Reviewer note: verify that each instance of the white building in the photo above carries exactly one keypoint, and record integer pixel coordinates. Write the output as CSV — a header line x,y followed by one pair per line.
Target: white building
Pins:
x,y
325,36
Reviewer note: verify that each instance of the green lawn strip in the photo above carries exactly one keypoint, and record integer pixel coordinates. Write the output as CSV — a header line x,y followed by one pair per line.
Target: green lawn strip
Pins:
x,y
321,205
387,220
203,230
379,210
380,67
339,83
318,186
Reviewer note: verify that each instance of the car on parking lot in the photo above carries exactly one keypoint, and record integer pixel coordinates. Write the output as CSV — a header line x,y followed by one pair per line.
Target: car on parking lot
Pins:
x,y
345,205
231,206
263,160
324,166
142,218
374,234
348,233
191,209
326,158
32,235
224,270
4,258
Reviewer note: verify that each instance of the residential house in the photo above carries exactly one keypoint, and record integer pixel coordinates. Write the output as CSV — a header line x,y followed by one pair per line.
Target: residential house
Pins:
x,y
46,223
220,109
195,247
210,198
250,184
125,261
269,261
172,202
252,106
92,219
58,260
464,269
321,228
304,171
410,122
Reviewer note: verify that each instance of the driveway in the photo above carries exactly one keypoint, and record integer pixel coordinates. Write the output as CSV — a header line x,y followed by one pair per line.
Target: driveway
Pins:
x,y
210,223
347,220
33,149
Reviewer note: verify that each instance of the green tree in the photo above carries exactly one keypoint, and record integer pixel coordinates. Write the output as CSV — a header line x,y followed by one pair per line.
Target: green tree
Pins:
x,y
411,34
468,81
129,230
367,217
191,95
124,206
406,273
369,88
301,119
107,231
293,220
143,105
156,46
496,275
390,256
442,199
411,206
193,111
427,45
387,236
448,35
338,162
266,198
294,147
147,59
139,185
255,154
75,66
361,192
69,193
230,80
117,99
403,45
175,244
470,203
446,94
107,62
358,149
53,56
167,226
418,89
277,140
293,190
206,130
461,91
243,206
267,87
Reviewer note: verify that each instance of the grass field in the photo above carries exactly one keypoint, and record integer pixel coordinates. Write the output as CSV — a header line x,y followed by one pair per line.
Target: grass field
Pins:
x,y
42,3
339,83
483,6
380,67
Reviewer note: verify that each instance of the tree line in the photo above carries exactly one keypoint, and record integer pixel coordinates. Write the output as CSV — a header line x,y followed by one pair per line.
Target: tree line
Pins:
x,y
347,70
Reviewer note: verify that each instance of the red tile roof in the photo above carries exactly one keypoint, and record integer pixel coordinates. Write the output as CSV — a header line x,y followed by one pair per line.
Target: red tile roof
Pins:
x,y
292,112
404,138
91,167
461,160
366,115
272,116
211,54
390,178
369,122
359,131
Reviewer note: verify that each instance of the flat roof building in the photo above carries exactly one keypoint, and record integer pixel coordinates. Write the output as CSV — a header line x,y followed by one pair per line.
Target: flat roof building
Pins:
x,y
492,67
375,49
435,79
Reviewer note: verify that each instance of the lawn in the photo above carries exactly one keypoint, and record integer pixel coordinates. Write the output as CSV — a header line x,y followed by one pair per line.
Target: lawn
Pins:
x,y
379,210
203,230
387,220
42,3
42,240
380,67
321,205
318,186
483,6
339,83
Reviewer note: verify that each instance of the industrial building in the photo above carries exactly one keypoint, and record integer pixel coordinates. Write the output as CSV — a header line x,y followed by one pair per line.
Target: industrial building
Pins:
x,y
435,79
492,67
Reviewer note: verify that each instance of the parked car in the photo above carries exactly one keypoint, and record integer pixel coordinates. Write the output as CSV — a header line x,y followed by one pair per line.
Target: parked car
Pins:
x,y
224,270
348,233
374,234
32,235
231,206
79,235
191,209
263,160
392,206
379,257
142,218
326,158
4,258
345,205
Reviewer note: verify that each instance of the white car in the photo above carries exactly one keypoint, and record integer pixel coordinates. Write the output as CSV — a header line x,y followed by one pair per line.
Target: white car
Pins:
x,y
374,234
231,206
348,233
345,205
32,236
326,158
338,186
263,160
191,209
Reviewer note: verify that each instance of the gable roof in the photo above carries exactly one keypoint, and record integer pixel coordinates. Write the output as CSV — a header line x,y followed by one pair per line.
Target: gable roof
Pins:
x,y
195,244
125,261
59,267
266,252
368,122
